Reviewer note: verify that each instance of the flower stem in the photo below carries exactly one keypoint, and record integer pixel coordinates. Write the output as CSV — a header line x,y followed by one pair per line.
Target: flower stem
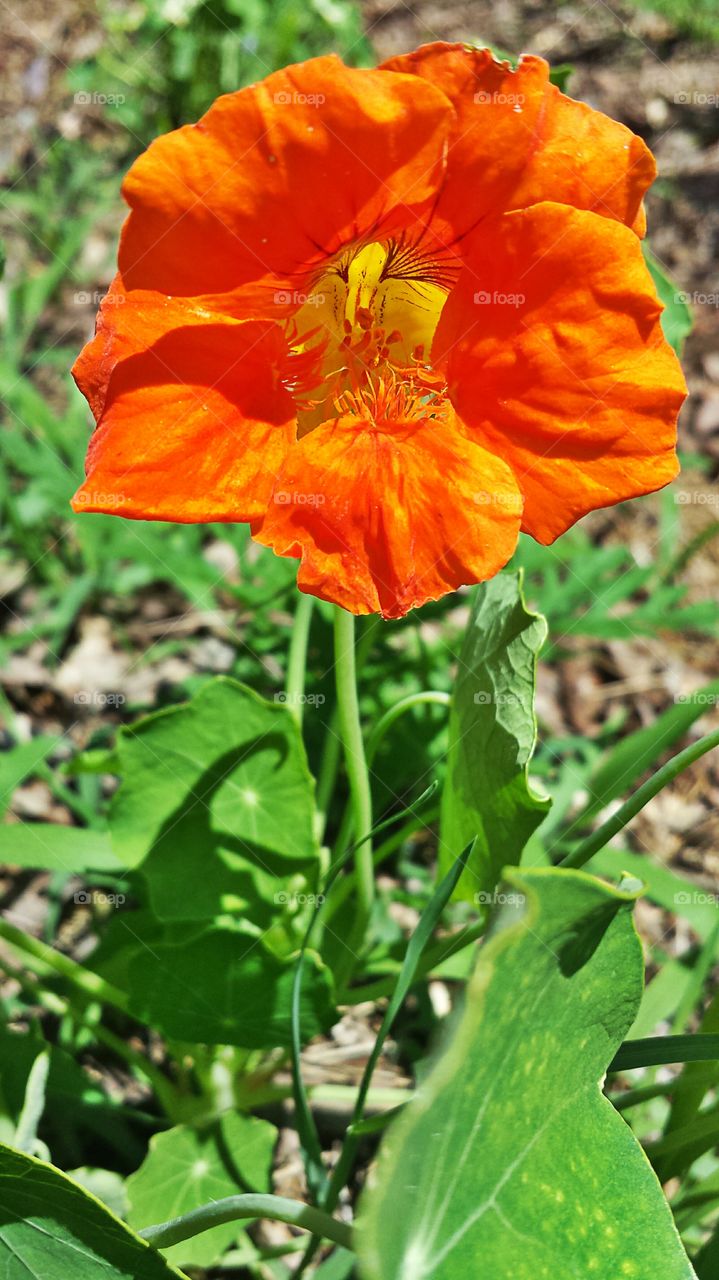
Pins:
x,y
297,660
356,765
236,1208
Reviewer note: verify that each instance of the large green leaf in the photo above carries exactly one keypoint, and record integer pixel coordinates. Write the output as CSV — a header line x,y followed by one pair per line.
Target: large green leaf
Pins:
x,y
73,850
188,1167
511,1162
492,731
218,801
224,985
52,1229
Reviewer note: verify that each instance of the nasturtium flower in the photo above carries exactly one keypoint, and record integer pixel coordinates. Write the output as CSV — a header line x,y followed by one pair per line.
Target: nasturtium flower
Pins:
x,y
388,317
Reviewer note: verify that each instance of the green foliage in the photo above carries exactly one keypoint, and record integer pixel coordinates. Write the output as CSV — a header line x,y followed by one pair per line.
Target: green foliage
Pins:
x,y
172,59
189,1166
492,731
53,1229
222,778
676,317
530,1166
696,18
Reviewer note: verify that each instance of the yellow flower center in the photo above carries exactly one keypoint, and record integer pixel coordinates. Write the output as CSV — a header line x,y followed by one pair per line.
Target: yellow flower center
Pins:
x,y
374,312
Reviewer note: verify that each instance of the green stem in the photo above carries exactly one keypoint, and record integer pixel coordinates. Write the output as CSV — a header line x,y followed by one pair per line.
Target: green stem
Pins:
x,y
84,980
329,764
357,771
386,721
631,807
297,659
344,887
235,1208
433,958
327,777
34,1104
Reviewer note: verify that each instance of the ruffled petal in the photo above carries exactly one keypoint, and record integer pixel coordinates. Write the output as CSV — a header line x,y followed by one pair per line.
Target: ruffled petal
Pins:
x,y
555,355
280,175
193,419
518,141
387,519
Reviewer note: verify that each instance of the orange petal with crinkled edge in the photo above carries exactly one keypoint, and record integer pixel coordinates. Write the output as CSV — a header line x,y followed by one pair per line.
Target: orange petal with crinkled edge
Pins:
x,y
519,140
555,356
387,518
279,176
193,420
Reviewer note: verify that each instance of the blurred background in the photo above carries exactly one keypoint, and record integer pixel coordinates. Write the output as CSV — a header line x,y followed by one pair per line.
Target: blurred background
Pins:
x,y
101,620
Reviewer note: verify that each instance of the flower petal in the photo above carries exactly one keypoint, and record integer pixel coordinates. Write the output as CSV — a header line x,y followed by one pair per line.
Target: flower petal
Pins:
x,y
518,141
387,519
193,420
276,177
555,355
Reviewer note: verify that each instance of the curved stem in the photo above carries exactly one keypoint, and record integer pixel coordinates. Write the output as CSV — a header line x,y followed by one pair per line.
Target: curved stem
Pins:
x,y
356,764
235,1208
386,721
297,659
84,980
632,806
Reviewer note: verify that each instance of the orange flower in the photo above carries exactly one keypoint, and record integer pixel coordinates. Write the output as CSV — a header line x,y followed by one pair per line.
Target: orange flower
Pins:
x,y
388,318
